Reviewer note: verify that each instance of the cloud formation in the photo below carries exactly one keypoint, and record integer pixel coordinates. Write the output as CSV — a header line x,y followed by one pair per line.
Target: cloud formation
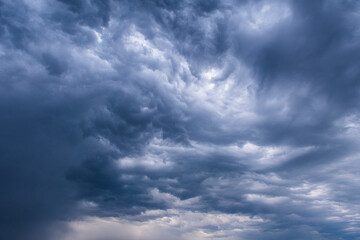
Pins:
x,y
179,119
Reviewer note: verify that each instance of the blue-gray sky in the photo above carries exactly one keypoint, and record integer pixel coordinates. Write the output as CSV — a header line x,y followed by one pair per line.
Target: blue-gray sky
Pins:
x,y
165,119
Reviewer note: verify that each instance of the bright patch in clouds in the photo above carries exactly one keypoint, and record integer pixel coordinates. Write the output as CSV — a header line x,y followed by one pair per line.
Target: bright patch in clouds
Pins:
x,y
261,15
170,224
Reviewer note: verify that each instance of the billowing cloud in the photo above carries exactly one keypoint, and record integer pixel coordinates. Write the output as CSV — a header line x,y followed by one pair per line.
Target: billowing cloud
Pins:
x,y
179,119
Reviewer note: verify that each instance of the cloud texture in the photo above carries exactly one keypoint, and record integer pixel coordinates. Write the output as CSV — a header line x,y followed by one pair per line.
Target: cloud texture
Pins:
x,y
164,119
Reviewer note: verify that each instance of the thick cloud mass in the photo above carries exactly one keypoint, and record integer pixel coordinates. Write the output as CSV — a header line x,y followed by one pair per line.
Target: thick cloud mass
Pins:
x,y
162,119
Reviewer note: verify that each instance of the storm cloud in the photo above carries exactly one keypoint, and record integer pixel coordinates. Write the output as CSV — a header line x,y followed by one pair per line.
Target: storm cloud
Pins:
x,y
162,119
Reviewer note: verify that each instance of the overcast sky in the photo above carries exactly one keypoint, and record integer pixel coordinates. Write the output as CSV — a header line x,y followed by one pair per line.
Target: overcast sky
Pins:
x,y
179,120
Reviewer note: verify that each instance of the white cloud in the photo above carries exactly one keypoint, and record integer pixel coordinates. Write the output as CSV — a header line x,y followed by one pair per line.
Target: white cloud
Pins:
x,y
170,224
262,15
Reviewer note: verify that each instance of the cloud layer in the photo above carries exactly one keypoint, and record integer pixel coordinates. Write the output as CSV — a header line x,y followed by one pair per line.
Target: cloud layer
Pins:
x,y
179,119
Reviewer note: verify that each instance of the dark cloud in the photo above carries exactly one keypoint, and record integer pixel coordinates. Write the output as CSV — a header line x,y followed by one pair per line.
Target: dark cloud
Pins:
x,y
155,113
91,13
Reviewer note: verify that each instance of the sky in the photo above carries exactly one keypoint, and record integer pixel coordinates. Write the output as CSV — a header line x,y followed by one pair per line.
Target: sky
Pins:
x,y
181,120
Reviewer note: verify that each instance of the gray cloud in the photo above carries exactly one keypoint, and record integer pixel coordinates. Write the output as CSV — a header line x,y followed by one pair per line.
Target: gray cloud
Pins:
x,y
183,119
